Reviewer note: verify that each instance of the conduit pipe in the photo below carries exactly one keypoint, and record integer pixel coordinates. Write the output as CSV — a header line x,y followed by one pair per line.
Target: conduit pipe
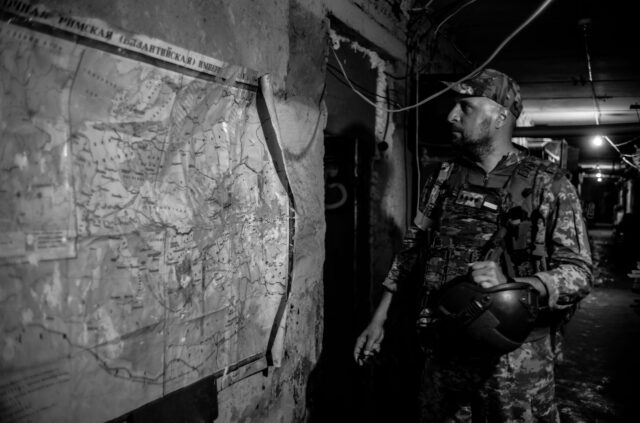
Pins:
x,y
576,130
611,167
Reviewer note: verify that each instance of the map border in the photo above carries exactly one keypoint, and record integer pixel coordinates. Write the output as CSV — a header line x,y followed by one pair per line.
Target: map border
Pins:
x,y
99,35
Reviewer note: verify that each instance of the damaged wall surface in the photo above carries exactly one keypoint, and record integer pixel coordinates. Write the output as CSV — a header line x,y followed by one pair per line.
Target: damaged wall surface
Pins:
x,y
289,41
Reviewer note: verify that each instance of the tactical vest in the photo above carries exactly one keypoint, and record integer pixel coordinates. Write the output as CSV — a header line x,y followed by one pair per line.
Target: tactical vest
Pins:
x,y
468,216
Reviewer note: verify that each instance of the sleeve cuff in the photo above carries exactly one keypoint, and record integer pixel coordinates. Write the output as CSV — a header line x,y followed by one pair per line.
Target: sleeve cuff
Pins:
x,y
421,221
549,283
390,286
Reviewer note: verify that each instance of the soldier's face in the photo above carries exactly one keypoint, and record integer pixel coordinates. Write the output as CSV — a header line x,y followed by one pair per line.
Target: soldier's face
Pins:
x,y
472,123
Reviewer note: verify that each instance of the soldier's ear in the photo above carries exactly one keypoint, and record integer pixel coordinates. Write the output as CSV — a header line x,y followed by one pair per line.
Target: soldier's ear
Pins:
x,y
502,118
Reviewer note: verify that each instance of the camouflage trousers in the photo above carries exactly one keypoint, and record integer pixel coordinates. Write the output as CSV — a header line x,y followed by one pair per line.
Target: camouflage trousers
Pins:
x,y
516,387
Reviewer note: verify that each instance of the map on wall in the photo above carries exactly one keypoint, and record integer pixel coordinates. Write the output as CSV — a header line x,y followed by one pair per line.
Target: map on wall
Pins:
x,y
145,234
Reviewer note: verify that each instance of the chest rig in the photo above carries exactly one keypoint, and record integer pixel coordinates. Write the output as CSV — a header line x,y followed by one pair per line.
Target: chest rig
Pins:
x,y
469,217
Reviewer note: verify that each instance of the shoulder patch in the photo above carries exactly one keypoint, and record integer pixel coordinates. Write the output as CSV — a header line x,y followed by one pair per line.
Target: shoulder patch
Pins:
x,y
556,171
430,196
527,165
552,169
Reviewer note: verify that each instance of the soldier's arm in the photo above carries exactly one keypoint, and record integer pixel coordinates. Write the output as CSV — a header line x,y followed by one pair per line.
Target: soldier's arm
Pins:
x,y
369,341
568,278
416,234
406,257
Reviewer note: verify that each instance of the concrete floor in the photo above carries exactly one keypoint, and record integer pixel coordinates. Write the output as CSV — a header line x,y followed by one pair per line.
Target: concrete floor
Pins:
x,y
598,379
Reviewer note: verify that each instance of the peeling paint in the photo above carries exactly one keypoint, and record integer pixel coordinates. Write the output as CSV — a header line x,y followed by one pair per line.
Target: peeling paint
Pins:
x,y
232,17
84,335
236,36
33,259
9,349
27,316
108,334
53,291
21,160
384,126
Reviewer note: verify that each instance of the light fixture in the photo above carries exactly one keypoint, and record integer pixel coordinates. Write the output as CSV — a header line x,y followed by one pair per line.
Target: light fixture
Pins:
x,y
597,141
636,107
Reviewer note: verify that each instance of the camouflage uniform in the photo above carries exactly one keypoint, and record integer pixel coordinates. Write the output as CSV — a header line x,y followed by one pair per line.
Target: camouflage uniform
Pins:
x,y
553,246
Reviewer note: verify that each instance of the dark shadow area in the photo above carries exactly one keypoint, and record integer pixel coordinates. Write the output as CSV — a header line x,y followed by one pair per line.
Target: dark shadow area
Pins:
x,y
355,174
398,369
336,382
360,242
335,387
599,375
386,388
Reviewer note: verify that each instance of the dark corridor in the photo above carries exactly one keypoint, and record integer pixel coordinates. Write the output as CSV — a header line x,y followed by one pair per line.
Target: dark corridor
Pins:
x,y
598,372
599,375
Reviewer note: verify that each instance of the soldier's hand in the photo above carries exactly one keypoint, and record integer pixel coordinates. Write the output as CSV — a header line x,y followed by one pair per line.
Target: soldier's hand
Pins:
x,y
486,273
368,343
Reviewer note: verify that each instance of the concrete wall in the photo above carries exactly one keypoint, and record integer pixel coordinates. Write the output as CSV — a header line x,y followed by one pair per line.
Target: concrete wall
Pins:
x,y
288,40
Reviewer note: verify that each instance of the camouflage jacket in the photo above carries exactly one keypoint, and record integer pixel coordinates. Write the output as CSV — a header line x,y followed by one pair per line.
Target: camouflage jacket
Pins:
x,y
567,271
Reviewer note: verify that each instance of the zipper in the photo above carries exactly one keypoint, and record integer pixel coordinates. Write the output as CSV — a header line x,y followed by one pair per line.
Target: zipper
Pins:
x,y
497,166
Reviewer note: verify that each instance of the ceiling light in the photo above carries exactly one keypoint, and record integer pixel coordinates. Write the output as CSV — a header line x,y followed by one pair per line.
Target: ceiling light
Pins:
x,y
597,141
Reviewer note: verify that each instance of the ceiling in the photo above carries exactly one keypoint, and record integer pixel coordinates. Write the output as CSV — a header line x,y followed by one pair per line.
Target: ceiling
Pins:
x,y
573,52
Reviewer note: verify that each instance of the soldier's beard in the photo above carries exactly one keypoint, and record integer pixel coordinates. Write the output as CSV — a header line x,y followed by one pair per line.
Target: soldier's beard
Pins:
x,y
477,147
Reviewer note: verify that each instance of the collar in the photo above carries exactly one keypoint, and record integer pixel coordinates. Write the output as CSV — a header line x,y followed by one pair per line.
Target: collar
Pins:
x,y
516,156
508,160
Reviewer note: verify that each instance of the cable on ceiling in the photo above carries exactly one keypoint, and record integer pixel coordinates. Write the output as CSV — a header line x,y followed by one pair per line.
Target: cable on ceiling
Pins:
x,y
477,70
634,157
585,26
431,49
335,72
620,144
455,12
624,158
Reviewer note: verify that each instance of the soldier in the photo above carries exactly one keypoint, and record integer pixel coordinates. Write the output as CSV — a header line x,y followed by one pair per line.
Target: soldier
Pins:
x,y
493,194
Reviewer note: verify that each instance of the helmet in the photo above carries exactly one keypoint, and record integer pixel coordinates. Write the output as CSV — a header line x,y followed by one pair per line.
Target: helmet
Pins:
x,y
493,320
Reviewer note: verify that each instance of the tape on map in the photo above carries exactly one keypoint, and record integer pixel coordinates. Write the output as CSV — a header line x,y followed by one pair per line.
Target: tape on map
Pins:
x,y
271,128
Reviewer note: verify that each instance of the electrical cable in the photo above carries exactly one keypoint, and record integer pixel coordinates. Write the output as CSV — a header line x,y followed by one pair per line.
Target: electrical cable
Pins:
x,y
397,78
411,47
387,122
622,156
590,73
405,120
628,141
595,100
418,186
455,12
431,49
335,72
461,53
411,40
425,7
477,70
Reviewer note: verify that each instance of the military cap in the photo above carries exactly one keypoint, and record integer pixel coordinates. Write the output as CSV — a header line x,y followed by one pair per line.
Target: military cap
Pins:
x,y
493,85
